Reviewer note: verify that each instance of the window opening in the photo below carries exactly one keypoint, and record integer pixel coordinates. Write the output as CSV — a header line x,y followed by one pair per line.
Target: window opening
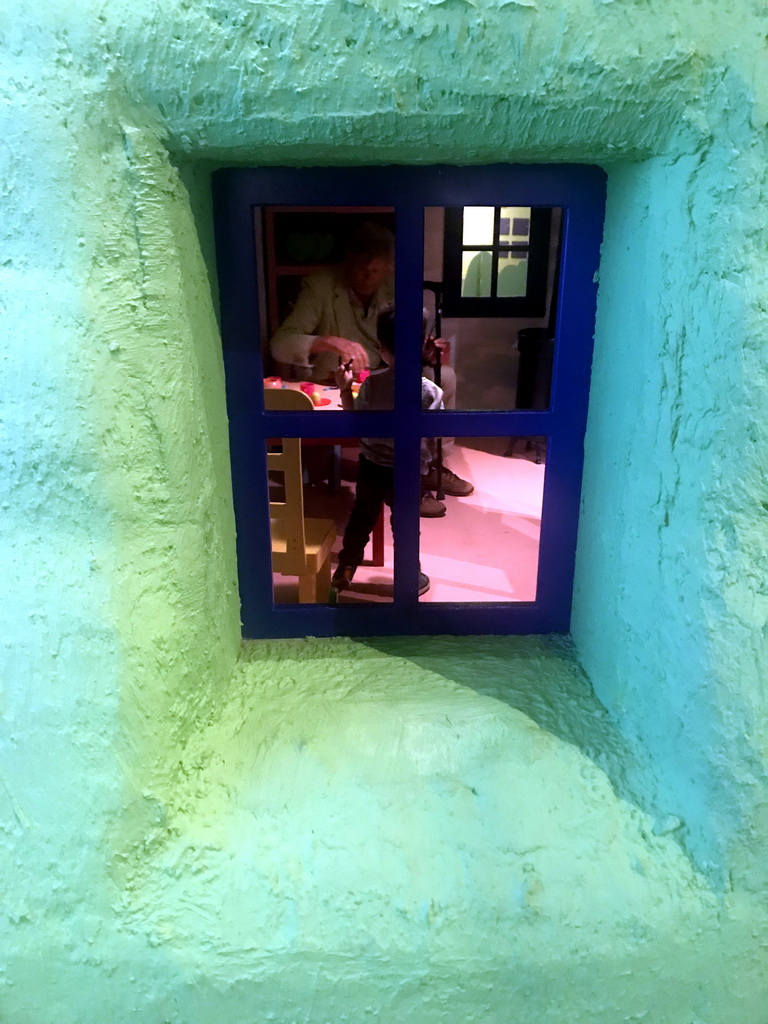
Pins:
x,y
489,513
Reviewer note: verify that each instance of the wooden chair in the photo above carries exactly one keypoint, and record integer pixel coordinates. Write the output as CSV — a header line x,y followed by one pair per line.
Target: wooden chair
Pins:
x,y
300,547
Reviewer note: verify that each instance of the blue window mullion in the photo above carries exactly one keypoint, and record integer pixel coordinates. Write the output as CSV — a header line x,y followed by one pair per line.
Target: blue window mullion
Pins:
x,y
486,424
236,262
409,301
559,525
316,424
580,247
248,461
236,258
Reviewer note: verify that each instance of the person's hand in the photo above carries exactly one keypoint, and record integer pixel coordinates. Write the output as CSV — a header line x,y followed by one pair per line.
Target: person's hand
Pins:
x,y
429,350
344,377
349,351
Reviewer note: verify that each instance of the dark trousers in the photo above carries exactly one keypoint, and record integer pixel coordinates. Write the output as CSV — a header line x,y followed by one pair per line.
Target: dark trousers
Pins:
x,y
375,488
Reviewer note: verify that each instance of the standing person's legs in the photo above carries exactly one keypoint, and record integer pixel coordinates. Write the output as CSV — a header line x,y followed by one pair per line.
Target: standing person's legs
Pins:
x,y
389,499
374,486
450,482
448,384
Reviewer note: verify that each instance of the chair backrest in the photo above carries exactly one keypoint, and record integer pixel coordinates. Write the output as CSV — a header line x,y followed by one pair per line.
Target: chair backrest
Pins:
x,y
287,461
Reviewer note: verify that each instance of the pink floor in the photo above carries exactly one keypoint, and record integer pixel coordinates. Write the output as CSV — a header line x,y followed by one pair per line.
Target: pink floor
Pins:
x,y
484,549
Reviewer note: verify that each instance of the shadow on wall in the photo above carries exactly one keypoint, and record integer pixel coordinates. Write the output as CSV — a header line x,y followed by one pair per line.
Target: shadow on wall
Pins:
x,y
541,677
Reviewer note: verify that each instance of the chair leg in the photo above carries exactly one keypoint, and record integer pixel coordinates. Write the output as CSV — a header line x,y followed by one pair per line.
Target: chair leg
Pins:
x,y
334,469
307,589
323,583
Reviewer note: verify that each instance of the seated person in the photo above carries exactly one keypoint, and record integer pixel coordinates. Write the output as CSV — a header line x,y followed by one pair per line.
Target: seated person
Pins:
x,y
376,473
335,315
334,320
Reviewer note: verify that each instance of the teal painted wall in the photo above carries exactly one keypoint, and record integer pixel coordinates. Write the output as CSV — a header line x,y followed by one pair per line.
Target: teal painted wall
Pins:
x,y
335,831
672,536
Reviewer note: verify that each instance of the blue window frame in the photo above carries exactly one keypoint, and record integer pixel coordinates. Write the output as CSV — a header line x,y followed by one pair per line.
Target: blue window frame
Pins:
x,y
579,191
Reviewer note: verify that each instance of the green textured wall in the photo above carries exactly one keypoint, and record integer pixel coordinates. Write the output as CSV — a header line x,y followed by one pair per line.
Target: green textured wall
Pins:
x,y
330,831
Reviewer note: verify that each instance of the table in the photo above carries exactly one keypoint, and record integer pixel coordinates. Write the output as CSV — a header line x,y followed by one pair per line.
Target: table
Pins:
x,y
326,391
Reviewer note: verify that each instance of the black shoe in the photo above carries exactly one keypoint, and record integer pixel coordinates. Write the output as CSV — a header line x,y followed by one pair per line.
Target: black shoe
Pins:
x,y
343,576
423,583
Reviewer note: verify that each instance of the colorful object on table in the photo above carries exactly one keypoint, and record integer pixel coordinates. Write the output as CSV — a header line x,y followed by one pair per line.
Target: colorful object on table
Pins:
x,y
312,390
273,382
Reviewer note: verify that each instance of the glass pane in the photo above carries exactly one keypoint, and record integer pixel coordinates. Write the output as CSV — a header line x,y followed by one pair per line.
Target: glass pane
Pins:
x,y
512,275
478,225
491,359
486,547
327,512
514,225
476,274
325,275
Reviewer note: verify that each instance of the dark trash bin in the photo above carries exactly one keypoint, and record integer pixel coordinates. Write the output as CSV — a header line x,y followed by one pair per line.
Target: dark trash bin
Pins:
x,y
534,369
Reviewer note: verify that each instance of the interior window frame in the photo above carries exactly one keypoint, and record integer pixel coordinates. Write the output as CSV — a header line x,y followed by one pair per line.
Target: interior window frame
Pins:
x,y
579,190
532,304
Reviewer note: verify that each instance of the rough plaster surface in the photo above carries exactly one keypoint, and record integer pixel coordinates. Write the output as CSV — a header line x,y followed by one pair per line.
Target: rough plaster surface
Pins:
x,y
327,831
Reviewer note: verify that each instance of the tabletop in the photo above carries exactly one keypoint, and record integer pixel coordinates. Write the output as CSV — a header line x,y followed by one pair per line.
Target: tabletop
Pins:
x,y
328,394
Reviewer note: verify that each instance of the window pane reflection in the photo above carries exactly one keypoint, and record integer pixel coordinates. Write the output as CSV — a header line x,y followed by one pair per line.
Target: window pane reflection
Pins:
x,y
313,483
486,547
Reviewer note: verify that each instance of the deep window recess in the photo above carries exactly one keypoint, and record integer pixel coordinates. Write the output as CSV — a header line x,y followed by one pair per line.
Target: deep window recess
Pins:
x,y
513,374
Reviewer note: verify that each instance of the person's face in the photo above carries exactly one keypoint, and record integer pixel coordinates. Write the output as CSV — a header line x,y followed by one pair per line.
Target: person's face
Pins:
x,y
364,276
